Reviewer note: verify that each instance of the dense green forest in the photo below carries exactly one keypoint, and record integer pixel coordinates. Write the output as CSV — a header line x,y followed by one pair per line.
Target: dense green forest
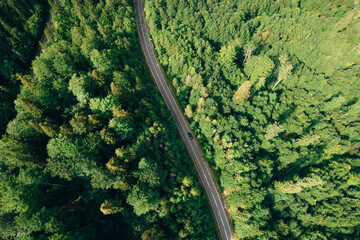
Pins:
x,y
21,26
272,90
92,152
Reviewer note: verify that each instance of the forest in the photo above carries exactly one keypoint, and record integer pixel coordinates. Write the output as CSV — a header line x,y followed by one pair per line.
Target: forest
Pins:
x,y
21,26
271,89
89,150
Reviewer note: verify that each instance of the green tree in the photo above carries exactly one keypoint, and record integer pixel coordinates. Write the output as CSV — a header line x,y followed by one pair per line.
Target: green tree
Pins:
x,y
259,67
143,199
100,61
79,87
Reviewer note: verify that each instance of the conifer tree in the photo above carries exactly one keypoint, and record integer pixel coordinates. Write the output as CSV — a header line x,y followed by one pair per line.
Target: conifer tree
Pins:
x,y
243,93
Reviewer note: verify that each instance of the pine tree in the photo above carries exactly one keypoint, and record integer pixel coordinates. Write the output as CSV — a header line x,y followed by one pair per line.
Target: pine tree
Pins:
x,y
30,107
273,130
243,93
26,81
188,111
111,207
308,140
284,70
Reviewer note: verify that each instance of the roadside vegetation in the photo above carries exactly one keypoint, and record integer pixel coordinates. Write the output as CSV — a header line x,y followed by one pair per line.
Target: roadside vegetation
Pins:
x,y
92,152
271,89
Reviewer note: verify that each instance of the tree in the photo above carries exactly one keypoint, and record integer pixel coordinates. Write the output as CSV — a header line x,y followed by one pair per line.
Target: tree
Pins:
x,y
259,67
30,107
272,131
243,93
143,199
49,129
104,106
79,87
149,173
287,187
111,207
26,81
118,112
249,48
121,128
20,153
188,111
153,233
227,55
100,61
62,65
284,70
308,140
74,154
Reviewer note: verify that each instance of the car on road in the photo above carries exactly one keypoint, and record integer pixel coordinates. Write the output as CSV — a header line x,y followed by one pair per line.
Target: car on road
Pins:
x,y
190,136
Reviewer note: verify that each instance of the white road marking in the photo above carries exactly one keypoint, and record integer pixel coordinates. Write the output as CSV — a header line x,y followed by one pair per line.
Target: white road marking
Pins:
x,y
205,177
226,235
222,222
214,200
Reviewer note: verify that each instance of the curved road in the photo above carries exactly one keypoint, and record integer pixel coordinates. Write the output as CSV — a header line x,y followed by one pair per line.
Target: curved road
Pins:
x,y
203,172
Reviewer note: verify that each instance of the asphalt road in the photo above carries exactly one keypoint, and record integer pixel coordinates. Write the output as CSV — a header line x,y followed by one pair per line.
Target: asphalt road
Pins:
x,y
203,171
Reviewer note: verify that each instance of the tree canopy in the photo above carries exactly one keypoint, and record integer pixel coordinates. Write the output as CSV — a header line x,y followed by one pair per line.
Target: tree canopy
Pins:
x,y
280,119
92,152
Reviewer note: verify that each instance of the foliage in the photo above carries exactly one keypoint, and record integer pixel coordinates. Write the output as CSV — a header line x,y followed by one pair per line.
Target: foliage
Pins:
x,y
280,119
21,26
92,152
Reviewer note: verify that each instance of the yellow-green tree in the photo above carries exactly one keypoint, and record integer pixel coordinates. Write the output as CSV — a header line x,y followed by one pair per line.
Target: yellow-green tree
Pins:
x,y
111,207
243,93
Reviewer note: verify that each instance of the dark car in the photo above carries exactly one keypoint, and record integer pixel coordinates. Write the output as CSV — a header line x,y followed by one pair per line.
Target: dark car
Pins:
x,y
190,136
